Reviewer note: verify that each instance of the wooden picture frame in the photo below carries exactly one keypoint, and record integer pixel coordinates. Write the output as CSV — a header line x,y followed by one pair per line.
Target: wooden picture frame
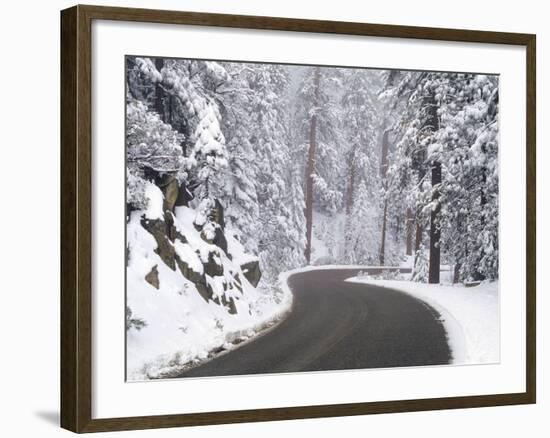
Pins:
x,y
76,217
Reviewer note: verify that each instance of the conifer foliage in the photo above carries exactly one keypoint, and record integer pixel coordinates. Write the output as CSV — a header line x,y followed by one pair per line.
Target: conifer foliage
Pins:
x,y
401,161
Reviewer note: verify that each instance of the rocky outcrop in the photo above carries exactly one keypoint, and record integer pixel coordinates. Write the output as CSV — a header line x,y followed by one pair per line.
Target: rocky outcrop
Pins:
x,y
169,186
170,192
238,283
153,277
165,249
252,272
220,241
217,214
229,304
210,224
213,266
184,196
190,274
198,279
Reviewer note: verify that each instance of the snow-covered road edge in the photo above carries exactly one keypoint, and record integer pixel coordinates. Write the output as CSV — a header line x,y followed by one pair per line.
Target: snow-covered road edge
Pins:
x,y
284,276
237,339
269,321
309,268
470,315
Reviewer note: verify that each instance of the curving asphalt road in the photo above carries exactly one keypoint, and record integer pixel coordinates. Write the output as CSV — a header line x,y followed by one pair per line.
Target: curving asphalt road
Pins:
x,y
336,325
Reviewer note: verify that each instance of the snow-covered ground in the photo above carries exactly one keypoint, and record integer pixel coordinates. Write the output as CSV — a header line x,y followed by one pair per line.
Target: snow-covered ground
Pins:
x,y
470,315
180,327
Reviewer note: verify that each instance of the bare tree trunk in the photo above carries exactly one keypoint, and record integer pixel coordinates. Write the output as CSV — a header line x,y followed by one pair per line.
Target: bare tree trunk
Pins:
x,y
435,230
310,167
349,202
409,231
478,275
351,185
383,243
160,94
383,171
384,155
417,237
456,273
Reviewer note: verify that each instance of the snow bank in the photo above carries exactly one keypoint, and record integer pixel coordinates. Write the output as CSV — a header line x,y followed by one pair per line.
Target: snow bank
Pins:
x,y
181,328
470,315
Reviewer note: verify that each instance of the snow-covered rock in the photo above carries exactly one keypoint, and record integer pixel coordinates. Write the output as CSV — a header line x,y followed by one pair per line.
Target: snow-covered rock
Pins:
x,y
186,295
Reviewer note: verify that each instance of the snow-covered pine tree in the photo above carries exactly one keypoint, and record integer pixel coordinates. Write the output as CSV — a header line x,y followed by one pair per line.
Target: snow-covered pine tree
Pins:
x,y
268,139
152,147
320,116
360,127
409,94
470,193
424,91
295,203
403,188
193,86
237,182
279,239
445,163
362,229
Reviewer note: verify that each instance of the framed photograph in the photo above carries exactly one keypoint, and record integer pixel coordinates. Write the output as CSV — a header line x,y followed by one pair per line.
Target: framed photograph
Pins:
x,y
271,218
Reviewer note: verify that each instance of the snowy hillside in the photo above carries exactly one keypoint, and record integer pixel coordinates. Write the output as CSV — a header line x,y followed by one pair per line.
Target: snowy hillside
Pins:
x,y
183,309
